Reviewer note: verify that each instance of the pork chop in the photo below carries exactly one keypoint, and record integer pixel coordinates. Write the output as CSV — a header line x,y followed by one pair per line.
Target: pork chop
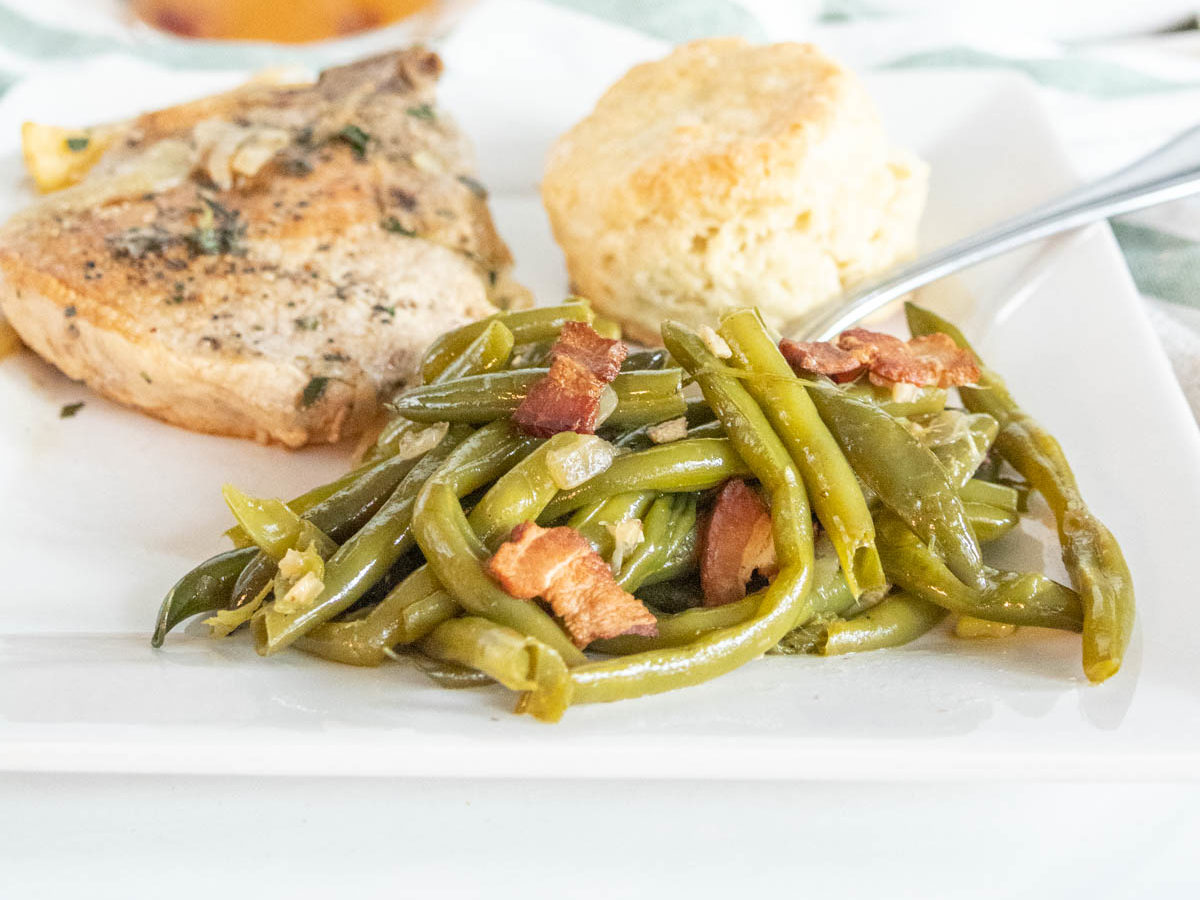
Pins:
x,y
267,263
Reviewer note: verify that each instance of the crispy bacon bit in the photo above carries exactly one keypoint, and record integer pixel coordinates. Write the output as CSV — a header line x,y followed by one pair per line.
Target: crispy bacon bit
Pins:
x,y
928,360
599,355
821,358
568,397
956,365
736,543
560,566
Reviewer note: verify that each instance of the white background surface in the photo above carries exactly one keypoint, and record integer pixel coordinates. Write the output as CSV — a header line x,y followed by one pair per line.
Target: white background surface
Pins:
x,y
123,837
77,836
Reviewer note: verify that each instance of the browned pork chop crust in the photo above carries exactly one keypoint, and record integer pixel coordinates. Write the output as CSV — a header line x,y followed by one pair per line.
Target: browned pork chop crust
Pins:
x,y
266,263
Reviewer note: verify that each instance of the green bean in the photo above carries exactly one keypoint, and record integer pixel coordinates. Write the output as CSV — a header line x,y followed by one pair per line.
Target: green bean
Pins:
x,y
681,467
959,440
898,619
522,493
395,431
683,629
1000,496
832,487
255,578
607,328
667,519
904,474
532,356
830,596
780,606
1090,552
990,522
593,521
1017,598
971,628
306,501
418,604
204,589
517,661
452,676
457,557
682,556
923,401
473,400
270,525
363,559
411,610
642,397
489,351
646,398
527,326
339,515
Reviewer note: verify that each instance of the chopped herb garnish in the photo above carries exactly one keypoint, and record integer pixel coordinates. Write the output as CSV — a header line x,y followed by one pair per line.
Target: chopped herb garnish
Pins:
x,y
69,312
178,296
424,111
307,323
392,224
336,357
492,277
146,378
475,186
69,410
380,308
219,231
313,390
78,144
356,138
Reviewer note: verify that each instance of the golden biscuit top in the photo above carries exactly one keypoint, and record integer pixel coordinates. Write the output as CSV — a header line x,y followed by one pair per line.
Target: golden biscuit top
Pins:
x,y
715,116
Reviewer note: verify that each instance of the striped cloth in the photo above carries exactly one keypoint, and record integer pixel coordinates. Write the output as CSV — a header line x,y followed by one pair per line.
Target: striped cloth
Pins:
x,y
1113,98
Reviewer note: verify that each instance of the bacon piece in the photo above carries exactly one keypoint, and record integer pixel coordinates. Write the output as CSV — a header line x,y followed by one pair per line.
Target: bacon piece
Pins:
x,y
567,399
560,566
599,355
929,360
736,543
821,358
956,366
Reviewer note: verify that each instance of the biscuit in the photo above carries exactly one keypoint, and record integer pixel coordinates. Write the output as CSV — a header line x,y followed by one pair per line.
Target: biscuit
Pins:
x,y
725,175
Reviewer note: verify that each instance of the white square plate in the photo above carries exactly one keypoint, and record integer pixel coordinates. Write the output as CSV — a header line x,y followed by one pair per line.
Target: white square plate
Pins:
x,y
100,513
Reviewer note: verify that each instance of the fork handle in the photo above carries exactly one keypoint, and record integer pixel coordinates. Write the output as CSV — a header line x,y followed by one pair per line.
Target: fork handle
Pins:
x,y
1168,173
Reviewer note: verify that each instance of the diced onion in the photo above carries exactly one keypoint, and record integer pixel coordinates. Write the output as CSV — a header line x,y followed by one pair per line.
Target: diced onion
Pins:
x,y
715,342
300,596
903,392
666,432
608,404
626,535
575,463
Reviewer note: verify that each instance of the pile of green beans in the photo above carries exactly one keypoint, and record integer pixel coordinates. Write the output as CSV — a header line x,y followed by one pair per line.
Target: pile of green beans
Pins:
x,y
881,510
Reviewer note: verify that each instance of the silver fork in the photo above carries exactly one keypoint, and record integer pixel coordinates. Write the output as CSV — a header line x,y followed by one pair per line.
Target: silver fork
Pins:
x,y
1168,173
